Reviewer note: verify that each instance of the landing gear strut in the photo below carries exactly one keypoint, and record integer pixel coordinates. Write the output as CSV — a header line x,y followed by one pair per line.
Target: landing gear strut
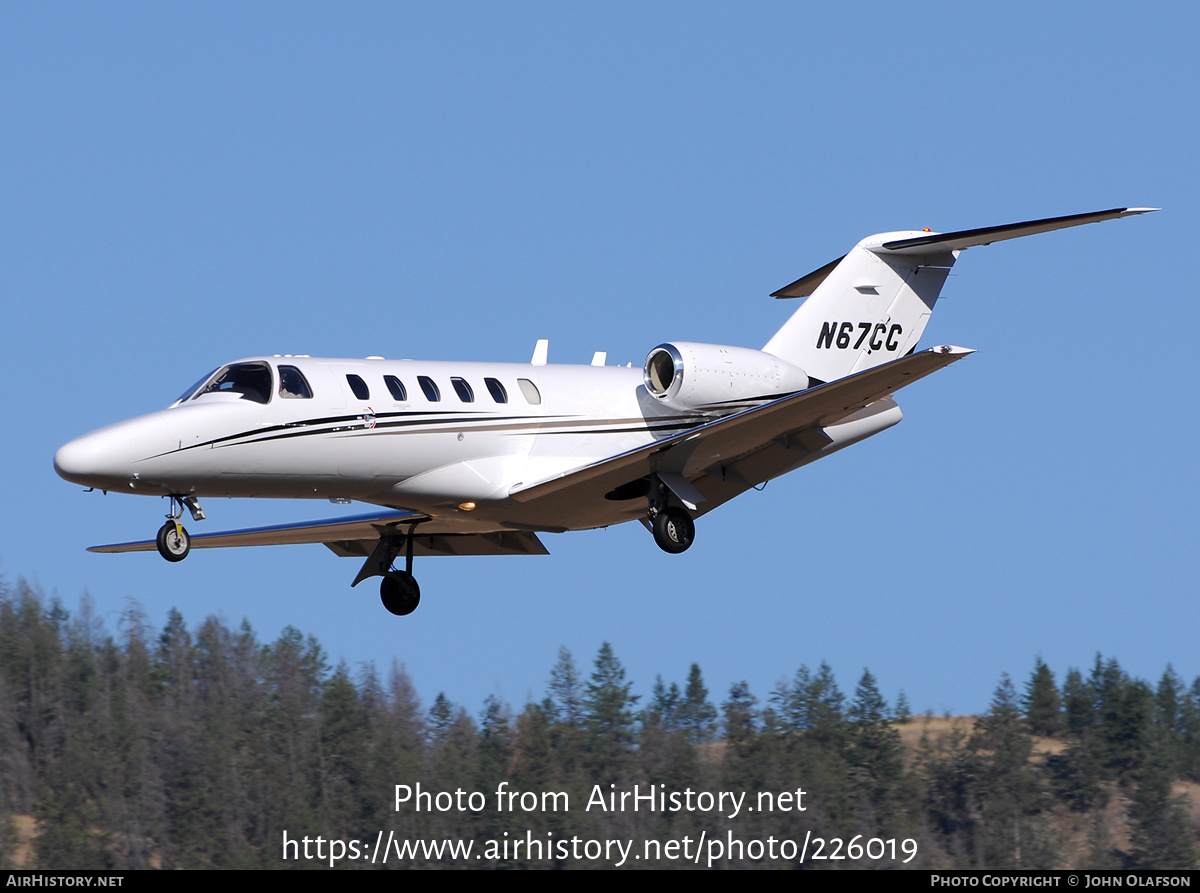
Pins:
x,y
398,590
173,541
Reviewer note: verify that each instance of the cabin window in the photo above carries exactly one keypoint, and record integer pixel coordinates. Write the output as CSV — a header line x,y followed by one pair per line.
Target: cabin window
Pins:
x,y
465,394
361,391
251,381
396,387
293,384
496,390
432,394
532,395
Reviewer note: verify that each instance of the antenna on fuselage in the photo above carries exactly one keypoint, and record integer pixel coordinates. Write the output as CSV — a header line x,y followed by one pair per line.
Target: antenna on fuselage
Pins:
x,y
540,352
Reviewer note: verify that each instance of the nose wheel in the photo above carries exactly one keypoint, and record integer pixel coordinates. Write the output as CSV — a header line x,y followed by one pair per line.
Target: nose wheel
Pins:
x,y
173,541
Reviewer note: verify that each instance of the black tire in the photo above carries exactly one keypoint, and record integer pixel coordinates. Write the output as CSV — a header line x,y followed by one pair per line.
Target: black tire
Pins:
x,y
674,530
173,542
399,593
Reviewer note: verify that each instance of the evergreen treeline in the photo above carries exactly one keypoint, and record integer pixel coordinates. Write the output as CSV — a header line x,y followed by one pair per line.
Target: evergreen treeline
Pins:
x,y
180,748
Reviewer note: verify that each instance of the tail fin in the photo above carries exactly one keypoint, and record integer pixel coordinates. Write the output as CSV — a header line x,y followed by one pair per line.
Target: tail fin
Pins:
x,y
871,305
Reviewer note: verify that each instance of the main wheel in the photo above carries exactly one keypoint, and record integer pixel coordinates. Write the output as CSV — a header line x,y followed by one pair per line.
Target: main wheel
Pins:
x,y
674,530
399,593
173,542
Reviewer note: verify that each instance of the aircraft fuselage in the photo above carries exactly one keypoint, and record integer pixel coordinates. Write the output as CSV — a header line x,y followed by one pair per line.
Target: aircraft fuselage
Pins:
x,y
491,427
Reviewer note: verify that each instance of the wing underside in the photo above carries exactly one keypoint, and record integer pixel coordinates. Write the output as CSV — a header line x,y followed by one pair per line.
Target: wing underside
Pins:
x,y
728,456
356,536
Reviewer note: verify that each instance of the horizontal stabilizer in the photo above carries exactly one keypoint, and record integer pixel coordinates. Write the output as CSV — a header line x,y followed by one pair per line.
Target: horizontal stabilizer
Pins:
x,y
968,238
957,241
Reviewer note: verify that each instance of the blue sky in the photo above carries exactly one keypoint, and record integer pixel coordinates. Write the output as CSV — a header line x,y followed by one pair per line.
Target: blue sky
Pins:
x,y
181,186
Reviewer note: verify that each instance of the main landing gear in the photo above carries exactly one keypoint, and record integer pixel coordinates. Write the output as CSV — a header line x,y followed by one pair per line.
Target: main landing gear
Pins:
x,y
673,530
398,590
673,527
173,541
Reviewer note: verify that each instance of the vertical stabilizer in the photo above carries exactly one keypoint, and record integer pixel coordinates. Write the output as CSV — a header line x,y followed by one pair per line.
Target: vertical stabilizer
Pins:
x,y
872,305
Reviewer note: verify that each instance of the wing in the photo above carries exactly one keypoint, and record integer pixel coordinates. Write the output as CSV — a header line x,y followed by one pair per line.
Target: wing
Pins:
x,y
356,536
709,465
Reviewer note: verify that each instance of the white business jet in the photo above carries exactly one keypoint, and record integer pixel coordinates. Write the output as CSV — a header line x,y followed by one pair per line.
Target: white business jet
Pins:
x,y
478,458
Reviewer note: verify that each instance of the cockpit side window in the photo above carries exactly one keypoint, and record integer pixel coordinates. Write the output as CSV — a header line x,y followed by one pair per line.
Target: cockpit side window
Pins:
x,y
250,381
293,384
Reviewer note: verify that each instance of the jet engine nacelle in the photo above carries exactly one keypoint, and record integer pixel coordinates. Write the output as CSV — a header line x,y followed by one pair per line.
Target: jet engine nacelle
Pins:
x,y
714,376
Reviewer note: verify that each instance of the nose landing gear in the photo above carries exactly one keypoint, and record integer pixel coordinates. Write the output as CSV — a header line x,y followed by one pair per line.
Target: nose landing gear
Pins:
x,y
173,541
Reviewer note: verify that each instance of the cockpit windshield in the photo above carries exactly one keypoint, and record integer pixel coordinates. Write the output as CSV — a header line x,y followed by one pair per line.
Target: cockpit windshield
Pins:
x,y
251,381
192,390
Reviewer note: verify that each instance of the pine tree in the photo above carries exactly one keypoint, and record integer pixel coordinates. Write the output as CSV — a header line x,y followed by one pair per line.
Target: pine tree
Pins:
x,y
824,707
495,742
1079,705
741,715
697,717
404,717
741,768
1043,707
875,756
1076,774
662,711
1007,790
1161,837
344,786
609,718
1189,745
564,711
1170,699
441,717
566,691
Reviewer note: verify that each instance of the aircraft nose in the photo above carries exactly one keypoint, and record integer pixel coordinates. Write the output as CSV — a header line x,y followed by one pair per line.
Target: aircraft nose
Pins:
x,y
106,459
81,458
